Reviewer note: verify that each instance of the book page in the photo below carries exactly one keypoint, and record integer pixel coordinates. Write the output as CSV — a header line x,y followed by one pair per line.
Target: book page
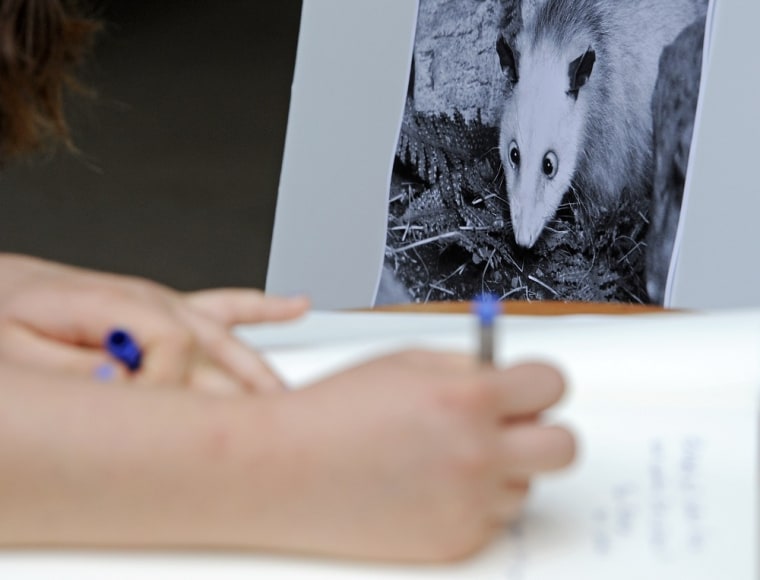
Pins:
x,y
665,411
655,494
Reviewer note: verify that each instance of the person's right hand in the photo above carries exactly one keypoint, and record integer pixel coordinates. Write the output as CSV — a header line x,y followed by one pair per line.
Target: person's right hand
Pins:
x,y
415,456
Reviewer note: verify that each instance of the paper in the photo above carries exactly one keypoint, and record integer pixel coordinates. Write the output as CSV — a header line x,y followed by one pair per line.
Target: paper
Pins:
x,y
670,498
543,150
345,204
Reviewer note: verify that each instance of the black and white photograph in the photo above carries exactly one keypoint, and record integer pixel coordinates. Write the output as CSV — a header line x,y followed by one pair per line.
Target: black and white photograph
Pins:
x,y
543,150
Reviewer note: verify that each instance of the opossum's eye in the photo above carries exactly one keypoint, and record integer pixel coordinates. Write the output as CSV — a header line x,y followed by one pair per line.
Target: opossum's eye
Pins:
x,y
514,154
550,165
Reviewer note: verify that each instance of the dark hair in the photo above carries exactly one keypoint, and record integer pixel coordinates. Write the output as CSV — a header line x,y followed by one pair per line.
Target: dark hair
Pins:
x,y
41,44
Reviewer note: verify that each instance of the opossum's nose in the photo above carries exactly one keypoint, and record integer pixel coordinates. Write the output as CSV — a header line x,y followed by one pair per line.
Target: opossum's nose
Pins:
x,y
525,237
527,221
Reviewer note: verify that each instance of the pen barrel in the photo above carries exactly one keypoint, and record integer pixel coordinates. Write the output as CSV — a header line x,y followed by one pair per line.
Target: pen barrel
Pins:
x,y
486,353
121,346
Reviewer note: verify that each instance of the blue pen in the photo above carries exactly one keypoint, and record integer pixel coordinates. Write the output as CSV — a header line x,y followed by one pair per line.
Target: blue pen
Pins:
x,y
487,308
120,344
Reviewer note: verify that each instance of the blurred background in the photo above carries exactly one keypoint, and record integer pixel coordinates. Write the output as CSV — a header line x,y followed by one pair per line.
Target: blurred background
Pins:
x,y
180,150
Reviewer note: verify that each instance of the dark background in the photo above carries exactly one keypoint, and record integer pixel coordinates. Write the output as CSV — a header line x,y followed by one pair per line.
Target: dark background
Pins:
x,y
180,150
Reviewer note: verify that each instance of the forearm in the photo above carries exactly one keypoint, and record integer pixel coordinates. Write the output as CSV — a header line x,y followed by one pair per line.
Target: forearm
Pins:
x,y
94,464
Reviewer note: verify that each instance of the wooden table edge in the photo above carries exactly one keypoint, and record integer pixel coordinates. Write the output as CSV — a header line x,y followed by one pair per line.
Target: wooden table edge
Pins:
x,y
536,308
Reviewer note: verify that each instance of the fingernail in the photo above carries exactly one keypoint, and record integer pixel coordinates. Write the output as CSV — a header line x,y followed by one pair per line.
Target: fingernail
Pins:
x,y
295,296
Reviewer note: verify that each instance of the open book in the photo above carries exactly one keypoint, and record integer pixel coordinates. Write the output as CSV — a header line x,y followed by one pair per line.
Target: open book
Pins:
x,y
665,486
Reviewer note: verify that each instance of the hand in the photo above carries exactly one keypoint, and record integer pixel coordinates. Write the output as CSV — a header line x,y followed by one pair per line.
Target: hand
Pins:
x,y
415,456
55,316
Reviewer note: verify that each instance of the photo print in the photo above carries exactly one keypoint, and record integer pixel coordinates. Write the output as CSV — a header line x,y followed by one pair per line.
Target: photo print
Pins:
x,y
543,150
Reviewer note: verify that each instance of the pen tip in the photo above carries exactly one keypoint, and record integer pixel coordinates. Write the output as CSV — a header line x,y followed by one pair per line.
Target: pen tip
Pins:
x,y
487,307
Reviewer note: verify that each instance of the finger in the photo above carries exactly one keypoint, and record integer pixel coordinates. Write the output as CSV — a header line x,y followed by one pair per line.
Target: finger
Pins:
x,y
531,449
235,358
435,361
167,344
528,389
239,306
209,378
522,419
510,499
244,364
168,356
25,346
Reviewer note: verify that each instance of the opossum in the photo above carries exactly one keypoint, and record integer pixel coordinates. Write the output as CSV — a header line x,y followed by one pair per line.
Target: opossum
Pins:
x,y
578,115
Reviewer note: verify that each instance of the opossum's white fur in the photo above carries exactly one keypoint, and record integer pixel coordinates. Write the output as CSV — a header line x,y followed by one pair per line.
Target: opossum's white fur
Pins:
x,y
601,135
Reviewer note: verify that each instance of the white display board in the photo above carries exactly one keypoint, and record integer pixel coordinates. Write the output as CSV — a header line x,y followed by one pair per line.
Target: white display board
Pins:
x,y
350,83
352,69
716,264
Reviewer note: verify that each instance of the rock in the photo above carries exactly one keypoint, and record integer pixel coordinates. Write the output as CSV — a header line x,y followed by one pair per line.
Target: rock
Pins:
x,y
455,62
674,106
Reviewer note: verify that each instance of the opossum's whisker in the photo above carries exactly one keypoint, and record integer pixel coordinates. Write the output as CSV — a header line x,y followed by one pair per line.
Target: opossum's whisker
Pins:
x,y
485,154
498,175
577,197
582,208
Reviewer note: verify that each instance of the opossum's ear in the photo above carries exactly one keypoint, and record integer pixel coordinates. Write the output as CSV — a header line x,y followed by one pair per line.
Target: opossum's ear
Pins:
x,y
580,71
507,58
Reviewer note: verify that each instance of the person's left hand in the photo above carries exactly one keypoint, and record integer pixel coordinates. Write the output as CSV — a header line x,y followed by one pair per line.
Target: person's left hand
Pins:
x,y
56,316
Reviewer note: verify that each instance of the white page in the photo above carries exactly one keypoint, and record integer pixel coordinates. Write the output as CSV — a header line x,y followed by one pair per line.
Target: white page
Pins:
x,y
664,408
592,351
